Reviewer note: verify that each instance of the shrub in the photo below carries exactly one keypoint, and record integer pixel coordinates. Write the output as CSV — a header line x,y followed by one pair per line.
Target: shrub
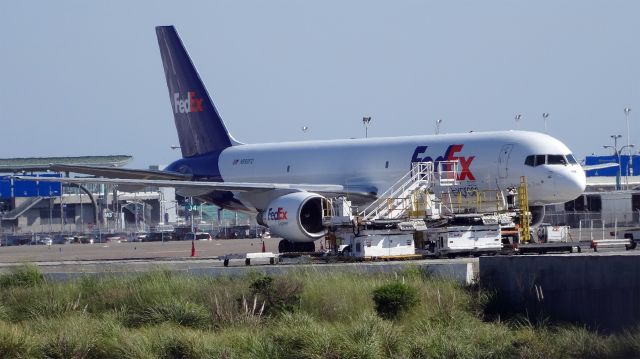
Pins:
x,y
392,300
24,276
279,295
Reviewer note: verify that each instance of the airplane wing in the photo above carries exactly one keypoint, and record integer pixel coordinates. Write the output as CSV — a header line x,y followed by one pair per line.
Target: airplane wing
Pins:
x,y
112,172
204,187
599,166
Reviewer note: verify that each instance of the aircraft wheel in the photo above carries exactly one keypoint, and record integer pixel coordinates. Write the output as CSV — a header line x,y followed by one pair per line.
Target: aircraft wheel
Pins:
x,y
308,247
284,246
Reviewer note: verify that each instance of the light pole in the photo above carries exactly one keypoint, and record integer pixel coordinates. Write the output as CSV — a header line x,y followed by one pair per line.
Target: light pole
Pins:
x,y
365,122
617,153
628,147
545,115
438,122
50,210
191,213
518,117
81,214
627,110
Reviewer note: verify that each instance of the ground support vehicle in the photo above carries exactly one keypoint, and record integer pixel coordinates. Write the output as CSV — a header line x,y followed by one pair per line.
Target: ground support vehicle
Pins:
x,y
464,240
273,258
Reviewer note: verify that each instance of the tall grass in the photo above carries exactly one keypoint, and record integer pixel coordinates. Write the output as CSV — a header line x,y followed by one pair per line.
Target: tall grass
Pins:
x,y
27,275
16,342
327,315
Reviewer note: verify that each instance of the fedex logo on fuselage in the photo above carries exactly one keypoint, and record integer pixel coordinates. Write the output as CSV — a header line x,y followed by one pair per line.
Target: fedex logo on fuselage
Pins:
x,y
189,104
278,215
449,155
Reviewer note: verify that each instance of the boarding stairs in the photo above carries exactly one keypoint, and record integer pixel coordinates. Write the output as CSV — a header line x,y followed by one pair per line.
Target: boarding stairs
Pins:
x,y
401,198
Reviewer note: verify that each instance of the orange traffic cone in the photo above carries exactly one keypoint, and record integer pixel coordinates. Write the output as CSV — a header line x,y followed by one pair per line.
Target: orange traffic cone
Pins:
x,y
193,248
264,249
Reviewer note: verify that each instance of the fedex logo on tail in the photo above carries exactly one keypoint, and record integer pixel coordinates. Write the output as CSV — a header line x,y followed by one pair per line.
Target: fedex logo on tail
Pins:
x,y
187,105
449,155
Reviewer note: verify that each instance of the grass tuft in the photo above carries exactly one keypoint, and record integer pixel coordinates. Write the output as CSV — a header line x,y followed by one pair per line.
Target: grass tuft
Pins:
x,y
15,342
26,275
187,314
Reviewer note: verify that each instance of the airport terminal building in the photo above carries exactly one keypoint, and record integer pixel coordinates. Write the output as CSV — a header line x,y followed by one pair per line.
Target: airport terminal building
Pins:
x,y
38,207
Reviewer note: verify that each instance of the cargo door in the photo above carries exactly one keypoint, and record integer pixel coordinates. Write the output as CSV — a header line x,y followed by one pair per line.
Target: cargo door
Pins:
x,y
503,160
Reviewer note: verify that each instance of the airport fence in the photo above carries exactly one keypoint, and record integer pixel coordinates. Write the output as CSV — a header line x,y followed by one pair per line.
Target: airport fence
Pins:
x,y
594,225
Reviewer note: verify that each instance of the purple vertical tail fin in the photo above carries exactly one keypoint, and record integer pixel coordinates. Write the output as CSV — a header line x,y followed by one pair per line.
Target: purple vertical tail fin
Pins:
x,y
200,128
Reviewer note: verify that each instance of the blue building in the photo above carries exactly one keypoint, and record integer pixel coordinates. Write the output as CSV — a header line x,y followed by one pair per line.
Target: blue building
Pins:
x,y
624,168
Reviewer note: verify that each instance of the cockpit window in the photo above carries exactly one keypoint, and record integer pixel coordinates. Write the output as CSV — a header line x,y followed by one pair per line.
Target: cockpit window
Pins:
x,y
556,160
529,160
571,159
538,160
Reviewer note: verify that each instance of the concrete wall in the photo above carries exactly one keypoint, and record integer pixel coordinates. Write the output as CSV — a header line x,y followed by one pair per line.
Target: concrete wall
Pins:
x,y
462,272
600,291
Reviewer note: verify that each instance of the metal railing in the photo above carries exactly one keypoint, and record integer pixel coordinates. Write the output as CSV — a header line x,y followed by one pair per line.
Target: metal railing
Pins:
x,y
396,200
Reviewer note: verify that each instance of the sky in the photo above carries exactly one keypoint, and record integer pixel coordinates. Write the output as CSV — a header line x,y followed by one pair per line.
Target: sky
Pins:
x,y
85,77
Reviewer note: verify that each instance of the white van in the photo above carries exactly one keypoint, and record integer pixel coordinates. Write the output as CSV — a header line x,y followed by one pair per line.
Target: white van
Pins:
x,y
200,236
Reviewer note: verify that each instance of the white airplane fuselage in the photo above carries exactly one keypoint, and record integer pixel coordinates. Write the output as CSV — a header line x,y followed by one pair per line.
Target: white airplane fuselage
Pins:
x,y
487,161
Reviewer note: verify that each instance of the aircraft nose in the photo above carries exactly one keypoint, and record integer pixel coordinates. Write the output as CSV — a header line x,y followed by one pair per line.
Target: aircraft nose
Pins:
x,y
572,184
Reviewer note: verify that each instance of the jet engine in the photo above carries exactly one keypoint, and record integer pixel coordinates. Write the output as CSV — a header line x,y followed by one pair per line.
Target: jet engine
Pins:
x,y
296,217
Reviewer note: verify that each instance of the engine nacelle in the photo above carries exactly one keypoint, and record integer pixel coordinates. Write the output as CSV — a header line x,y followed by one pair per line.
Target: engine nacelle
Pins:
x,y
295,216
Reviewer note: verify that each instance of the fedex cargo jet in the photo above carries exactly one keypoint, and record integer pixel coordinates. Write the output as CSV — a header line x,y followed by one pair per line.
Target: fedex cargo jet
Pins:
x,y
284,183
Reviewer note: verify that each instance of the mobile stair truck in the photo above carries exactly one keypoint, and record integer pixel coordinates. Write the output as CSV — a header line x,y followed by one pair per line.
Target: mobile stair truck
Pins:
x,y
384,229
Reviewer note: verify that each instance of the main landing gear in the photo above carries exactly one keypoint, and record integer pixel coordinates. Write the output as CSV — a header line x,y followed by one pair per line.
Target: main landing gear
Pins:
x,y
286,246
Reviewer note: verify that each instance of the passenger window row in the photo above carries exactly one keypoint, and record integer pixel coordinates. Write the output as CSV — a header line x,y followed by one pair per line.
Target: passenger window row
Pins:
x,y
537,160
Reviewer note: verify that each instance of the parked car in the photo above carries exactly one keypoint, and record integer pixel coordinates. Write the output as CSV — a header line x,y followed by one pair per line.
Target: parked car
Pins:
x,y
62,239
200,236
42,241
83,239
140,237
162,236
115,237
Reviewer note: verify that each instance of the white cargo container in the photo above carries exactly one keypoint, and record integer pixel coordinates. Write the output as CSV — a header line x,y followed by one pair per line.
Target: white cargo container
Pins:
x,y
552,234
382,245
465,239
